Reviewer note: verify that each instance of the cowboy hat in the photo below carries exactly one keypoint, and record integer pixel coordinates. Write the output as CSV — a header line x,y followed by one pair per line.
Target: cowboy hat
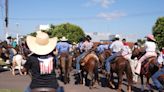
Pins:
x,y
151,37
117,36
41,44
74,43
63,39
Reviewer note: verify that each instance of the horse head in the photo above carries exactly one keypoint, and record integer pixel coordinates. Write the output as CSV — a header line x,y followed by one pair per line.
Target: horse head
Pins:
x,y
137,52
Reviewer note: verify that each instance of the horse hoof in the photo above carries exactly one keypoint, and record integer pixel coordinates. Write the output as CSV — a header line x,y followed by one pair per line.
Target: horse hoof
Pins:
x,y
90,87
119,90
112,85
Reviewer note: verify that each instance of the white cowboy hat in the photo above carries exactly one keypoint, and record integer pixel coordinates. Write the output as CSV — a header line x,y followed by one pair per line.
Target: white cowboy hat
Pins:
x,y
117,36
41,44
63,39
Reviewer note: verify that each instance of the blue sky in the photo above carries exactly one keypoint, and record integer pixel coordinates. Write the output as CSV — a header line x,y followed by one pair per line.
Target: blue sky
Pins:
x,y
132,19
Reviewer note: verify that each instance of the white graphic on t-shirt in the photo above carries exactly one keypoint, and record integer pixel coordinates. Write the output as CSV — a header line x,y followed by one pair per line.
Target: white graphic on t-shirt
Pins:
x,y
46,65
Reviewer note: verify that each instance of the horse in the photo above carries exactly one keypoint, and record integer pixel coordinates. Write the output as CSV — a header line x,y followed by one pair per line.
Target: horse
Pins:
x,y
89,69
18,63
65,66
148,67
120,65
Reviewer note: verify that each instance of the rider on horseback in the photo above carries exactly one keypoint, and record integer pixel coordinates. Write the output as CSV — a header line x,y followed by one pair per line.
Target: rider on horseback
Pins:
x,y
10,47
159,72
101,47
150,48
85,47
116,47
62,47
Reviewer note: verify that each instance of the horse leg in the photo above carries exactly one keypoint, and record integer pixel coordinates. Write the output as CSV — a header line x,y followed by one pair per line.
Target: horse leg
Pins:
x,y
65,70
120,75
110,77
90,77
147,82
20,72
142,83
13,71
129,75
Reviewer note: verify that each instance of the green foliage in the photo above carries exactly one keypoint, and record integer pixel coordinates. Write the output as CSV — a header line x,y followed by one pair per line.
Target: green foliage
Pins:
x,y
158,31
141,41
70,31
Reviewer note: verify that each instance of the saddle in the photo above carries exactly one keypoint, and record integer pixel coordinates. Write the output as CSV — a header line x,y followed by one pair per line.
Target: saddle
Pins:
x,y
146,65
85,59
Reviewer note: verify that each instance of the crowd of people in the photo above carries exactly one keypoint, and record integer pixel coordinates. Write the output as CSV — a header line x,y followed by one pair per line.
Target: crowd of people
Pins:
x,y
45,52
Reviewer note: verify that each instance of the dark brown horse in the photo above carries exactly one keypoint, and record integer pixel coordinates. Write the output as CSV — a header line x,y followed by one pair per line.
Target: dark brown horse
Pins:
x,y
148,67
120,66
65,66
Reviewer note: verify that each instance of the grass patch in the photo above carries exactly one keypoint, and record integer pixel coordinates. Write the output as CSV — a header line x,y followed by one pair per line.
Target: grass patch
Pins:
x,y
10,90
2,62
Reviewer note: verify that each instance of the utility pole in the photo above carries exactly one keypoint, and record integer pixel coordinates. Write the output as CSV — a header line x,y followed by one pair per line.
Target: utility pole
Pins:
x,y
6,18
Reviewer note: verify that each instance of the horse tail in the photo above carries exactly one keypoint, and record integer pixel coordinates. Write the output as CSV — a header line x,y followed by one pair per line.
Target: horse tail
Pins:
x,y
96,70
128,72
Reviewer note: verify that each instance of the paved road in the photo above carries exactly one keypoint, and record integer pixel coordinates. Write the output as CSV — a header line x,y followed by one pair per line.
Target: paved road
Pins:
x,y
8,81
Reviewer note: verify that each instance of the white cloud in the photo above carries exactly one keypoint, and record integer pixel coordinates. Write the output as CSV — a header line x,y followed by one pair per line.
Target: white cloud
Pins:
x,y
102,3
112,15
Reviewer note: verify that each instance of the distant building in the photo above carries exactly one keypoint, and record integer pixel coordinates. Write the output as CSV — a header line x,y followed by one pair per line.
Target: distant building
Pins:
x,y
43,27
99,36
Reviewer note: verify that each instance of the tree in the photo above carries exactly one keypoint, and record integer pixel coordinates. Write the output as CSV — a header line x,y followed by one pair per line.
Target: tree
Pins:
x,y
158,32
70,31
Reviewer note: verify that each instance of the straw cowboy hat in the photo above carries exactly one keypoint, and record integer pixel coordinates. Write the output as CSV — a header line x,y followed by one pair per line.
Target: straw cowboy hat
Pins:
x,y
41,44
63,39
151,37
74,43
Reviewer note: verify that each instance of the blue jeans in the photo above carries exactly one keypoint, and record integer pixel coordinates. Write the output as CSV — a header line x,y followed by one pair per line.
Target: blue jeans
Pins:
x,y
155,78
56,60
11,55
78,60
109,60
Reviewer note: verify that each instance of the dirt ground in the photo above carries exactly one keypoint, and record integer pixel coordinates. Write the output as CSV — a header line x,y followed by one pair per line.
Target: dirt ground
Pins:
x,y
9,82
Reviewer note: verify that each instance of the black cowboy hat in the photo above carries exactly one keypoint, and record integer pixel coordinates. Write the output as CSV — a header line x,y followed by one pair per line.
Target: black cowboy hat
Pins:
x,y
88,37
9,37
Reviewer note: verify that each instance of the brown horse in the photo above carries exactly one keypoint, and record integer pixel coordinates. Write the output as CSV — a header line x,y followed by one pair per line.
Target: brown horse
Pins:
x,y
65,66
120,66
148,67
90,67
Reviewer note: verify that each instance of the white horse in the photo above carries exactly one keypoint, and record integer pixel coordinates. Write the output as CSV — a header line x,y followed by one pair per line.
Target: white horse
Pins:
x,y
18,63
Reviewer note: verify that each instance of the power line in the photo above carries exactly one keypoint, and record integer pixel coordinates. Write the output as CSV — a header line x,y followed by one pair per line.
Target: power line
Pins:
x,y
86,18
